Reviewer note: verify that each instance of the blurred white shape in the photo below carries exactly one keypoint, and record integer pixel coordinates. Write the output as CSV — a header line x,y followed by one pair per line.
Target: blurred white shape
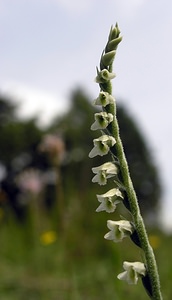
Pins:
x,y
54,145
30,180
34,102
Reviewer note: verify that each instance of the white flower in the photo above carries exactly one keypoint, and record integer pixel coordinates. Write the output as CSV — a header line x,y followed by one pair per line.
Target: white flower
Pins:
x,y
109,200
102,120
102,145
132,271
104,99
103,172
104,76
118,230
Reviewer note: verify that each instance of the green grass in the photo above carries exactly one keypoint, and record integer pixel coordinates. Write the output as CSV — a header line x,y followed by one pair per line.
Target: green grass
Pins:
x,y
76,266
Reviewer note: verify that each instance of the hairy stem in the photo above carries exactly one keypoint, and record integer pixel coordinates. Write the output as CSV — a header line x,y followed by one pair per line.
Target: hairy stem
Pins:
x,y
104,76
135,210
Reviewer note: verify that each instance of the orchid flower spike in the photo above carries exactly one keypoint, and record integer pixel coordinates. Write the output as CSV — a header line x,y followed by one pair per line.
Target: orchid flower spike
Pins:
x,y
123,191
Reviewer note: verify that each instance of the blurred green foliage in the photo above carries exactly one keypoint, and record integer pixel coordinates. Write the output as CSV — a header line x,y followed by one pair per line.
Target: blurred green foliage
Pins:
x,y
75,127
39,261
20,142
34,271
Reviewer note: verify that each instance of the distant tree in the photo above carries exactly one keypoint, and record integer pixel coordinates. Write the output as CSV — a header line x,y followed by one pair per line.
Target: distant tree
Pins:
x,y
75,127
20,140
142,166
18,150
7,110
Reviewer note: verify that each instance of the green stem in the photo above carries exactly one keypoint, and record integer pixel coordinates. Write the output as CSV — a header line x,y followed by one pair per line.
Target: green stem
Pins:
x,y
135,210
150,262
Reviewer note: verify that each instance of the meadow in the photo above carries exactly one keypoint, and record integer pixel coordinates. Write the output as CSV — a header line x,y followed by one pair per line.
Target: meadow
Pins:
x,y
78,264
52,240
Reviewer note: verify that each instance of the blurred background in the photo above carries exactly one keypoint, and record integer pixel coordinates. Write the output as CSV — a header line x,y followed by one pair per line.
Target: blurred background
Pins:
x,y
52,244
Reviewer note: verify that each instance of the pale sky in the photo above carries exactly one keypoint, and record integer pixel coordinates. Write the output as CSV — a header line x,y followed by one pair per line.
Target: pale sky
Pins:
x,y
48,47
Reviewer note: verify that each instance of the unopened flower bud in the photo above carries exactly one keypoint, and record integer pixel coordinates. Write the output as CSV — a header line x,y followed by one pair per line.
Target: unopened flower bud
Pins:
x,y
107,58
112,45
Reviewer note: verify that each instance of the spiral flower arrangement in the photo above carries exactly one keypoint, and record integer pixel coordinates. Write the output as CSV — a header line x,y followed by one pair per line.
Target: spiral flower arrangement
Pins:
x,y
123,191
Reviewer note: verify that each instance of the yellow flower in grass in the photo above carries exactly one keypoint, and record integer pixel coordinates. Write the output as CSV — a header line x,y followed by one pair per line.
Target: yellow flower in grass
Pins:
x,y
48,237
154,241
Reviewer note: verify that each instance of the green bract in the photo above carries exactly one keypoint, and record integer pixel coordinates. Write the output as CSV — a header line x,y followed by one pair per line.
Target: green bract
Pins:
x,y
107,59
112,45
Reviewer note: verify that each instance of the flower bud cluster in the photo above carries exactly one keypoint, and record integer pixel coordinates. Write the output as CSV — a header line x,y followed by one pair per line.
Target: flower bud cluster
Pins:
x,y
120,229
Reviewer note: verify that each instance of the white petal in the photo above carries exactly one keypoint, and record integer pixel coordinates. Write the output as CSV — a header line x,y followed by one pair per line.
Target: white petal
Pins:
x,y
93,152
123,225
111,224
109,167
132,271
100,179
113,192
106,206
139,267
95,126
109,235
122,276
100,208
